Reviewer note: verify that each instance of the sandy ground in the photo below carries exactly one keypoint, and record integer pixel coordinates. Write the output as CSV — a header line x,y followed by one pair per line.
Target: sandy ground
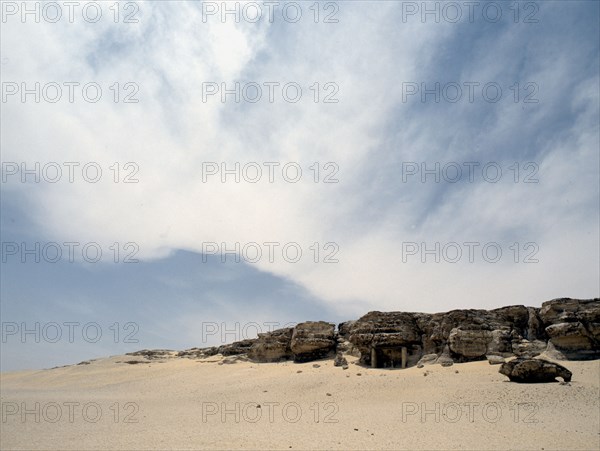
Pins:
x,y
199,404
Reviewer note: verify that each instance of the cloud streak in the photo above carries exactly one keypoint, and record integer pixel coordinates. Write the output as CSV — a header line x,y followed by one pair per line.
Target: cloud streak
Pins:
x,y
369,134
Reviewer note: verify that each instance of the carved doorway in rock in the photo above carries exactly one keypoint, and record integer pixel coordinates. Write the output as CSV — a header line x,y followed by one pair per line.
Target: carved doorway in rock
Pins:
x,y
388,357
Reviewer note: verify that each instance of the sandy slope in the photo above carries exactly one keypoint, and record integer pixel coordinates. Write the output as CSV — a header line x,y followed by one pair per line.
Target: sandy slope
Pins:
x,y
188,404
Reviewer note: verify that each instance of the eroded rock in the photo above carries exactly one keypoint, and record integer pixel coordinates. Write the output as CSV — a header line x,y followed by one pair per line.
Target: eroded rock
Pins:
x,y
237,347
312,340
561,329
573,327
272,346
340,360
495,359
534,371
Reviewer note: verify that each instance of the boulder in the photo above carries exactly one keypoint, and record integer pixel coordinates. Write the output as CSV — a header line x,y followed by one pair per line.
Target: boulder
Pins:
x,y
534,371
340,360
312,340
445,360
272,346
495,359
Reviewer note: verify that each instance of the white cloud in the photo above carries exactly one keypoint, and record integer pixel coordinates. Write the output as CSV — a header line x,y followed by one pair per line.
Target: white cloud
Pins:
x,y
171,132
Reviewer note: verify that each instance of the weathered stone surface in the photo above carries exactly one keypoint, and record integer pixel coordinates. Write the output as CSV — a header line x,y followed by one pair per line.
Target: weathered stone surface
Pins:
x,y
344,329
495,359
237,347
573,327
272,346
386,327
427,359
561,329
526,348
198,353
234,359
312,340
502,341
385,331
566,309
340,360
473,334
347,347
534,370
535,326
444,360
153,354
469,344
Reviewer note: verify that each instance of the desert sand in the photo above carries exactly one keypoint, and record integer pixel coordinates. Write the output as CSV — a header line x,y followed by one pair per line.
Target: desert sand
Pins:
x,y
183,403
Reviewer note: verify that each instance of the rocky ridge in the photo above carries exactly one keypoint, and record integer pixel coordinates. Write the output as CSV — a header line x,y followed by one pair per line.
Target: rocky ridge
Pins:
x,y
562,329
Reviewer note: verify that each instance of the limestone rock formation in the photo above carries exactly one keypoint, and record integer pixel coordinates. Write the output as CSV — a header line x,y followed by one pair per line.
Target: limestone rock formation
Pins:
x,y
153,354
526,348
236,348
534,370
344,329
470,344
381,337
313,340
198,353
272,346
573,327
561,329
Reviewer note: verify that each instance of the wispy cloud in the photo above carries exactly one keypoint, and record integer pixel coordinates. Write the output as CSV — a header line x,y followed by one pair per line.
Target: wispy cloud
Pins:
x,y
369,134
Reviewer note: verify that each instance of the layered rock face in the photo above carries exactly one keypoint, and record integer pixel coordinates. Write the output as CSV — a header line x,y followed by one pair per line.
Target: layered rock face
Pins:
x,y
381,336
573,328
313,340
567,328
562,328
272,346
462,335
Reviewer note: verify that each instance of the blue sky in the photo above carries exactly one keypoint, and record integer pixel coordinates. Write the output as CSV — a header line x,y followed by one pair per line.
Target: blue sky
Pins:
x,y
371,135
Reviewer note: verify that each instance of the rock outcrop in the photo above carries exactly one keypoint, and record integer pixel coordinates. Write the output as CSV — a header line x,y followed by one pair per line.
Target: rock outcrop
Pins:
x,y
380,338
561,329
313,340
345,328
534,371
272,346
236,348
573,328
153,354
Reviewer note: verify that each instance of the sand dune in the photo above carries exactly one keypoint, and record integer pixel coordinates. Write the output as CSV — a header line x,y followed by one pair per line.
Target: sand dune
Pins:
x,y
201,404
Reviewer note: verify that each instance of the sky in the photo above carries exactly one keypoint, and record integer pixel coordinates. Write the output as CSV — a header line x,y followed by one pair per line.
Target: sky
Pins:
x,y
180,174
